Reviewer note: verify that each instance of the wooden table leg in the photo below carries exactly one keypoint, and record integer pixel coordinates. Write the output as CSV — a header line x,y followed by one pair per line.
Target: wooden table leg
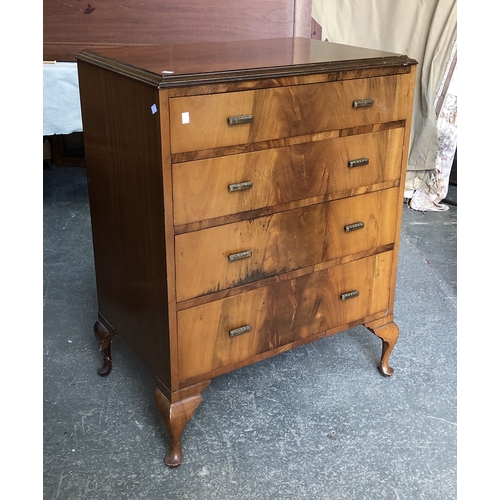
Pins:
x,y
389,334
175,416
104,336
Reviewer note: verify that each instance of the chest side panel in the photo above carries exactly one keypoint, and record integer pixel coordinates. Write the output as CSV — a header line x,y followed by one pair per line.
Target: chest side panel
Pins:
x,y
124,172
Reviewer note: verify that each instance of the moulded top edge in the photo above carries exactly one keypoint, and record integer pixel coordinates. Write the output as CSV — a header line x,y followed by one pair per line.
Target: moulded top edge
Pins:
x,y
193,63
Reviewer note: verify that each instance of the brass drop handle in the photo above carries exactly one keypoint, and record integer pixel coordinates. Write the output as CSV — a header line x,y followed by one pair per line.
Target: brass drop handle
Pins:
x,y
363,103
354,227
239,256
240,186
359,162
349,295
239,120
239,331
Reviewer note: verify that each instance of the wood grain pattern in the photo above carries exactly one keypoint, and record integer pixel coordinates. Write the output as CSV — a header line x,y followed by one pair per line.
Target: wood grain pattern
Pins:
x,y
399,208
164,223
283,175
281,242
268,81
175,417
283,142
245,63
123,151
172,387
280,314
72,25
283,112
301,26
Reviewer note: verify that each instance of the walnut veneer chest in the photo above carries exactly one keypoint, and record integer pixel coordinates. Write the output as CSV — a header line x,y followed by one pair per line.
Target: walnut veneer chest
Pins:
x,y
245,199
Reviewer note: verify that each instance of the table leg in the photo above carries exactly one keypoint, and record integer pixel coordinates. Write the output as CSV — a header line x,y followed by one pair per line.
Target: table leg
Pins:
x,y
175,416
389,334
104,336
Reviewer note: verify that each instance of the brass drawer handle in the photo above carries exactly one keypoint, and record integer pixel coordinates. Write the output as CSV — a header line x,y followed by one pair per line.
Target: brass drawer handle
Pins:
x,y
360,162
238,120
363,103
354,227
239,256
238,331
349,295
240,186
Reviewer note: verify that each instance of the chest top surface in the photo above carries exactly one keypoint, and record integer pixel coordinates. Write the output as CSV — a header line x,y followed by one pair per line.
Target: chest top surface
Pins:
x,y
194,63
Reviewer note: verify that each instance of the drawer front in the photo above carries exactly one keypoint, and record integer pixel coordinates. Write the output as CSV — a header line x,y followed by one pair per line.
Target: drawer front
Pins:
x,y
227,185
234,254
234,329
203,121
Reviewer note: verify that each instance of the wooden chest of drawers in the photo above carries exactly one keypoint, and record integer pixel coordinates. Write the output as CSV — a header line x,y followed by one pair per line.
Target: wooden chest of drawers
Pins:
x,y
245,199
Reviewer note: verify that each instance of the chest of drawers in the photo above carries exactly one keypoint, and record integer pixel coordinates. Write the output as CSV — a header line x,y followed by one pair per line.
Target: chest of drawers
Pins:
x,y
245,199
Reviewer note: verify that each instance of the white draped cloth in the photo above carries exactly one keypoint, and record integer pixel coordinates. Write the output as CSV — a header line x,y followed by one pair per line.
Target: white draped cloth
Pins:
x,y
61,99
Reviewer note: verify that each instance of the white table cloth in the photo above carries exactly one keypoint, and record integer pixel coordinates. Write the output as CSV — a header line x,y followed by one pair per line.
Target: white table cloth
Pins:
x,y
61,99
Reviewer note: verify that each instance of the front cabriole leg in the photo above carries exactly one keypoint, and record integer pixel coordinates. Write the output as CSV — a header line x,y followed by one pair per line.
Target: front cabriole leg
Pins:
x,y
389,334
104,336
176,415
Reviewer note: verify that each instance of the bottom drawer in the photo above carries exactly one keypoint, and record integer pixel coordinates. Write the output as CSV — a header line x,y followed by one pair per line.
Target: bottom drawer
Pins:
x,y
236,328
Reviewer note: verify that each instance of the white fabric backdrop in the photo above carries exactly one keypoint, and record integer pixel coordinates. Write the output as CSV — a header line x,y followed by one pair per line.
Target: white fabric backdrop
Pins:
x,y
61,99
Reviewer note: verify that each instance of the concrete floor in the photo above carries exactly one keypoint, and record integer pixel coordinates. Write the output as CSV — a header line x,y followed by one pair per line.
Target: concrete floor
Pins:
x,y
318,422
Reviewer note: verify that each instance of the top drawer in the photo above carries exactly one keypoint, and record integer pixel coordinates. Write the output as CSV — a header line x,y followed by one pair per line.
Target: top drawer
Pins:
x,y
204,121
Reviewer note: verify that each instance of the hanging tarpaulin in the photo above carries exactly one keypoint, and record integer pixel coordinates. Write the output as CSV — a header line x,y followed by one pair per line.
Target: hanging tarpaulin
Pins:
x,y
425,31
438,183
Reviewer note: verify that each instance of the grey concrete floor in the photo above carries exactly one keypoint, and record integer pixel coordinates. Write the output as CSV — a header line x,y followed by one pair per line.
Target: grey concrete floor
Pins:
x,y
318,422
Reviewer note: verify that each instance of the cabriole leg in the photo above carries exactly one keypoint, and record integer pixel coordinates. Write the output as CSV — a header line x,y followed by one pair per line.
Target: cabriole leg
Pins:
x,y
175,416
104,336
389,334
